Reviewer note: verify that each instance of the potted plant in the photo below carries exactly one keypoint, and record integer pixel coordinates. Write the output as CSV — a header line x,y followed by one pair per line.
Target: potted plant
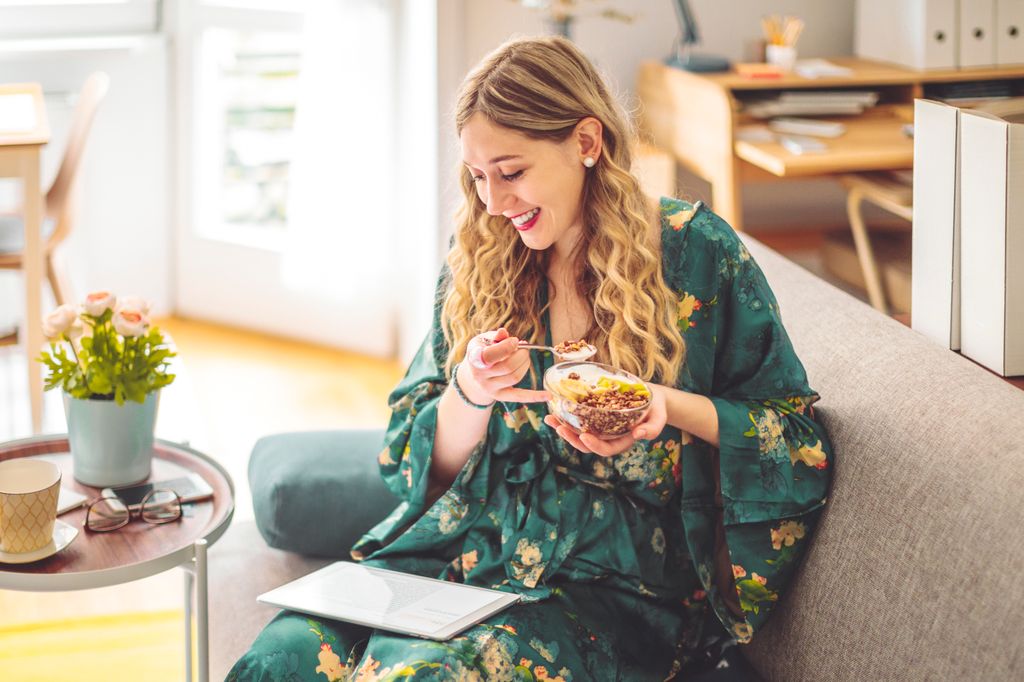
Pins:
x,y
111,364
561,14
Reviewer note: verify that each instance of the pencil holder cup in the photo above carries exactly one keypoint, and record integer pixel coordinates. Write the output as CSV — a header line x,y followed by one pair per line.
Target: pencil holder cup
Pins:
x,y
782,56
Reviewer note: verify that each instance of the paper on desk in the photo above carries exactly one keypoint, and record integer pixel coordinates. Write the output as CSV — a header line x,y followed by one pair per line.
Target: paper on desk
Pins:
x,y
17,113
800,145
820,68
755,133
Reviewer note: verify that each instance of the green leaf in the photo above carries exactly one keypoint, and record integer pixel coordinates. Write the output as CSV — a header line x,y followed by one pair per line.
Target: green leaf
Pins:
x,y
98,377
524,673
752,593
109,366
135,391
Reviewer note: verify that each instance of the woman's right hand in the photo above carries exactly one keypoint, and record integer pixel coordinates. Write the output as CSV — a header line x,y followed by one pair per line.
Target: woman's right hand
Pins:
x,y
494,365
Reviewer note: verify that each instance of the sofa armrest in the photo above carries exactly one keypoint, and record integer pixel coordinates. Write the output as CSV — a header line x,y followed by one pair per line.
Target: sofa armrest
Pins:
x,y
316,493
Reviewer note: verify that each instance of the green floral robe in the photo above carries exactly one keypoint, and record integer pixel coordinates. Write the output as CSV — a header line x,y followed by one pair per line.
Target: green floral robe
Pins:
x,y
630,566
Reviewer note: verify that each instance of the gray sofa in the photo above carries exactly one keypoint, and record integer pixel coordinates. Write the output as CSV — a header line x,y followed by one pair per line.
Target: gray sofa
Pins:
x,y
915,570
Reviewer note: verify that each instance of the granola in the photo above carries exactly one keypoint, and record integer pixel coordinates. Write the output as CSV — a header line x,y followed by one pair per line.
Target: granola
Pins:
x,y
607,408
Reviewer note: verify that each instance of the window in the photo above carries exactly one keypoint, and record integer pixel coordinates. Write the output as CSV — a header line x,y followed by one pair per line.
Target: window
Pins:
x,y
52,18
257,74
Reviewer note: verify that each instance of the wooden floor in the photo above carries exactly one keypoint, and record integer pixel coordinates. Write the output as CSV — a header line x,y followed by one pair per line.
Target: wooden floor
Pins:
x,y
248,385
240,386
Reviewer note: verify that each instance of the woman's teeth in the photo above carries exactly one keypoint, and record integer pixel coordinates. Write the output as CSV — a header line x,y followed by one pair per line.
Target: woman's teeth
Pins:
x,y
521,220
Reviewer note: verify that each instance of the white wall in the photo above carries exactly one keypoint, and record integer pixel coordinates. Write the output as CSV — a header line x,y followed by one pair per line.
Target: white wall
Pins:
x,y
727,28
122,240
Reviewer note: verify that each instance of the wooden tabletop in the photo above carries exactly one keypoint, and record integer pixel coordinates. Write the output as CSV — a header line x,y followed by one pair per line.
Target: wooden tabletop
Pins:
x,y
129,552
22,115
863,72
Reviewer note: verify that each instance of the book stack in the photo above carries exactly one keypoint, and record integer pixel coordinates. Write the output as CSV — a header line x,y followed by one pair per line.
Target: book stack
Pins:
x,y
968,235
969,93
813,103
806,126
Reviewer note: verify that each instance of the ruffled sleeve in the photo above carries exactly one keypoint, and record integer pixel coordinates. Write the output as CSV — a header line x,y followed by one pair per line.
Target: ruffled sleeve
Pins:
x,y
750,506
409,441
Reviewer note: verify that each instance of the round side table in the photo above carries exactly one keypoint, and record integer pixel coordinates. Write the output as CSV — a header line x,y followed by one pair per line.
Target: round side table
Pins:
x,y
138,550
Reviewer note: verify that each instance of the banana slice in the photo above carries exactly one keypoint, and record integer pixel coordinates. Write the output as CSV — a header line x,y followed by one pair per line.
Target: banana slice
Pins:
x,y
573,389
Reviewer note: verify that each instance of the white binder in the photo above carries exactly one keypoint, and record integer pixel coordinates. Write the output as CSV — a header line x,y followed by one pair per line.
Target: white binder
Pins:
x,y
935,259
1009,32
919,34
992,242
977,33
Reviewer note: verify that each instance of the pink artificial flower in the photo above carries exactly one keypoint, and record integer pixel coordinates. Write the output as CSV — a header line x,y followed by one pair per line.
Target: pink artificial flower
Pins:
x,y
59,321
130,323
98,302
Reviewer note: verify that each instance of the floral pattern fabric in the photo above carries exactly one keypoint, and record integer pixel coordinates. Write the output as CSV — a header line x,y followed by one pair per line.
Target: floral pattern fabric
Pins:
x,y
628,566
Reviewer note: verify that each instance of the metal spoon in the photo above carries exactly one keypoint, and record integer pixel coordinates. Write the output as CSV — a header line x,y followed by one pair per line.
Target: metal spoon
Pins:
x,y
588,351
584,353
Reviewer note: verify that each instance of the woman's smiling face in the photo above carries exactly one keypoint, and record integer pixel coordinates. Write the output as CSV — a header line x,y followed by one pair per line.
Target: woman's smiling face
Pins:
x,y
536,184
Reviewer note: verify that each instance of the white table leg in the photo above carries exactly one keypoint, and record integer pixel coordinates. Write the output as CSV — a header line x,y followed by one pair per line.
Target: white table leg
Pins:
x,y
202,616
188,622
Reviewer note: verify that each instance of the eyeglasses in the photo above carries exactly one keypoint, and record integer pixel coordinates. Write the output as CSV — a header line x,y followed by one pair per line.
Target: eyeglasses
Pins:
x,y
110,512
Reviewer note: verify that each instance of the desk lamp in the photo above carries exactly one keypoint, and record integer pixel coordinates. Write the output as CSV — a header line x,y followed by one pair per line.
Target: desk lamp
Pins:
x,y
684,58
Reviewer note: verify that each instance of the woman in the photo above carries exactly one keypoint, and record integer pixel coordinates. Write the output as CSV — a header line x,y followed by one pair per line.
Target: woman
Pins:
x,y
638,558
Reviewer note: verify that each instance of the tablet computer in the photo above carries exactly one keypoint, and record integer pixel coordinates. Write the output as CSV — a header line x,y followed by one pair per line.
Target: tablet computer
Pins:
x,y
390,600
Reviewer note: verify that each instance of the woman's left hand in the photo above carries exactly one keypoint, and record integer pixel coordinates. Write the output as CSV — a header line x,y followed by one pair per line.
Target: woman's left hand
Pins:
x,y
649,427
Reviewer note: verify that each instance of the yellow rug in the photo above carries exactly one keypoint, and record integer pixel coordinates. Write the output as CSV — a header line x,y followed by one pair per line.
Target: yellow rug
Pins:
x,y
126,646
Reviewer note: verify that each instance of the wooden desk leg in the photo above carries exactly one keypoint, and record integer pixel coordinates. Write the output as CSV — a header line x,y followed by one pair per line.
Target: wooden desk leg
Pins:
x,y
868,265
726,198
33,268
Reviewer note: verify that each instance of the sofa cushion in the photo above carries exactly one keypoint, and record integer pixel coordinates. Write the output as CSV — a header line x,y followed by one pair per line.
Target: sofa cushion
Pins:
x,y
315,493
913,570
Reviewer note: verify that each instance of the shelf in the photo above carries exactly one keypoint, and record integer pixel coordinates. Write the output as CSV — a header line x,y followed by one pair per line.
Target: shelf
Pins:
x,y
869,143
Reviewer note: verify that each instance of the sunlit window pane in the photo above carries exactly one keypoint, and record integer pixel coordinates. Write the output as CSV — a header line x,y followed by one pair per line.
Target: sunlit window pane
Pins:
x,y
255,84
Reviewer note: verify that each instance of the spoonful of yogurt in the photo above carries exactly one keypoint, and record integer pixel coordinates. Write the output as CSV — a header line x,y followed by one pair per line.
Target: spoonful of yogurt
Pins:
x,y
567,351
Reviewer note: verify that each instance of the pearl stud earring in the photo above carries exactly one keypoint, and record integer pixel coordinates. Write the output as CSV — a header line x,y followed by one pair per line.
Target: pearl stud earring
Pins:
x,y
589,162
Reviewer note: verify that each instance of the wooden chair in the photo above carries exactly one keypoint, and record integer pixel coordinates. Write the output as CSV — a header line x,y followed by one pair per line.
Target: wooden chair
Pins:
x,y
894,193
58,210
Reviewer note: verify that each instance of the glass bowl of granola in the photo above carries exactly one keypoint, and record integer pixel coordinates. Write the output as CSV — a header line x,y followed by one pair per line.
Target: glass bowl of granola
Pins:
x,y
598,399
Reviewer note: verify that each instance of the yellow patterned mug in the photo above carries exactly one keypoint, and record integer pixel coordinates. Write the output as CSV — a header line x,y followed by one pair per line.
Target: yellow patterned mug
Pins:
x,y
28,503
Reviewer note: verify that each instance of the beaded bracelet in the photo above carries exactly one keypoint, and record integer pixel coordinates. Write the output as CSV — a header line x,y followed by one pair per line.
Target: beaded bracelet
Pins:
x,y
462,396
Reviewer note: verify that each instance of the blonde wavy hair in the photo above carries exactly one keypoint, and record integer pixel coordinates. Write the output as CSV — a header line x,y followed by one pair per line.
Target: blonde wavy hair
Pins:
x,y
542,88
